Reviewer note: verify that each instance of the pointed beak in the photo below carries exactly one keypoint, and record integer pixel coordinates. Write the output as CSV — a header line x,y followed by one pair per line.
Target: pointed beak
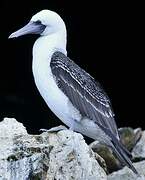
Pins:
x,y
30,28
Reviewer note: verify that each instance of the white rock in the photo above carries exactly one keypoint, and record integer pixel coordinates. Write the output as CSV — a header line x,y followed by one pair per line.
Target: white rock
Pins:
x,y
63,155
139,149
127,174
81,163
9,129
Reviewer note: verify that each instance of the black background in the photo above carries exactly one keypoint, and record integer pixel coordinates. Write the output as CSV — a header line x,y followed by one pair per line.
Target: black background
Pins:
x,y
104,39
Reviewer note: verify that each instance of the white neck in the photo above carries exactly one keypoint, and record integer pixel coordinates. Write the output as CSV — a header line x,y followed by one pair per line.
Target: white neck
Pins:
x,y
43,49
45,46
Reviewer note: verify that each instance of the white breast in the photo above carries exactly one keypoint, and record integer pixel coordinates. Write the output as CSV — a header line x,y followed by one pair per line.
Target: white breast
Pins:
x,y
53,96
43,49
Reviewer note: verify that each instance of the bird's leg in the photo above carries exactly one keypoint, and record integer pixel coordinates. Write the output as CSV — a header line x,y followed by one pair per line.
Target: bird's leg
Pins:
x,y
59,128
54,129
71,128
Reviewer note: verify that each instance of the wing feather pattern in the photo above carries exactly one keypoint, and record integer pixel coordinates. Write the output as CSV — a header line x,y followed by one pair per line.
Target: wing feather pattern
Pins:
x,y
84,92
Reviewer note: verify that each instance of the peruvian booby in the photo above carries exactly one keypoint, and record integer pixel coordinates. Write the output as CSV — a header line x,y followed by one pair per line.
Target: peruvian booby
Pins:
x,y
69,91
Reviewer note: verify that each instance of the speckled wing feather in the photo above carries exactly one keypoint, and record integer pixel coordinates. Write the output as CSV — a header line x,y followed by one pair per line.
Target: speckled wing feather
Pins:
x,y
83,91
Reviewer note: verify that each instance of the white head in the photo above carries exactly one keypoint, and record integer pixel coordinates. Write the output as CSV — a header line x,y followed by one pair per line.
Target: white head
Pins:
x,y
44,23
52,21
50,26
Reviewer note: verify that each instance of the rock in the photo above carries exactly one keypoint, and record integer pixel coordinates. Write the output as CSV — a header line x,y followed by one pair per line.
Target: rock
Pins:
x,y
101,162
138,151
129,137
63,155
111,162
127,174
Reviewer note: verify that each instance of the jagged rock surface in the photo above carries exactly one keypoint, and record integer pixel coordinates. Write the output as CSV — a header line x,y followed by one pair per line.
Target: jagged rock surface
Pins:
x,y
63,155
129,137
112,163
127,174
139,149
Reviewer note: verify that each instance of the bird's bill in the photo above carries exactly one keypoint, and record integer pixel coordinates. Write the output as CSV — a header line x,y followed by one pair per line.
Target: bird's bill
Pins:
x,y
30,28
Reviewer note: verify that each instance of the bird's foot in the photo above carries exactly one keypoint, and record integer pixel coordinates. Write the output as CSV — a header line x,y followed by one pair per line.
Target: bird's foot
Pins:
x,y
71,128
54,129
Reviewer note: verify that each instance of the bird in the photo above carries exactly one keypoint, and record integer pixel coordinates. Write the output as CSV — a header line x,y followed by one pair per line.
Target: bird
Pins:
x,y
71,93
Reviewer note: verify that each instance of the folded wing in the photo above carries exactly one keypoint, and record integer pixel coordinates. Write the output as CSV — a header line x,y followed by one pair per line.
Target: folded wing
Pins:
x,y
83,91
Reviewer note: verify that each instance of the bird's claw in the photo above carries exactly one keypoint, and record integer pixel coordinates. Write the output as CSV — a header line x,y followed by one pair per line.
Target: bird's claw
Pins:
x,y
54,129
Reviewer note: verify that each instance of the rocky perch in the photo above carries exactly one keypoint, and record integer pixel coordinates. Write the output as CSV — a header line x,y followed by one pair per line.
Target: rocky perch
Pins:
x,y
64,155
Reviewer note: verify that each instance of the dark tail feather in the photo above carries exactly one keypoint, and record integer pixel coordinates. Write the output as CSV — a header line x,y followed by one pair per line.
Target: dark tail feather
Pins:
x,y
121,152
122,156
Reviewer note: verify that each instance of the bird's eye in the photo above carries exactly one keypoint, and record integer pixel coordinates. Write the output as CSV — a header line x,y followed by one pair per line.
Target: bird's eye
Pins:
x,y
38,22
